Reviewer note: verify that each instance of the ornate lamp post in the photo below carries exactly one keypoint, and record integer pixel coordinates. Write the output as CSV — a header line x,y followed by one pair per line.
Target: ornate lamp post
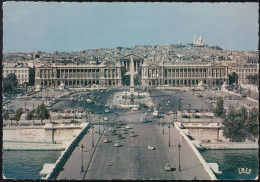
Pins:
x,y
189,113
169,135
179,147
92,136
82,149
33,113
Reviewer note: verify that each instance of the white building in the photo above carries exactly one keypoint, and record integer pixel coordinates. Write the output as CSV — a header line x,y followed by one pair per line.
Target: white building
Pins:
x,y
21,72
199,42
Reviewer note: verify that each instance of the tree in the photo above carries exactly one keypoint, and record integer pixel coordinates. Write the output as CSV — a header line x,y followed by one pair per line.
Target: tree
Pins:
x,y
9,82
219,110
18,114
6,115
29,115
253,79
42,112
252,124
234,124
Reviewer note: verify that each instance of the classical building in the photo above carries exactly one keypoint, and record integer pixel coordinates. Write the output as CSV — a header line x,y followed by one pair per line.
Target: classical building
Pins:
x,y
149,73
21,72
183,74
105,73
243,71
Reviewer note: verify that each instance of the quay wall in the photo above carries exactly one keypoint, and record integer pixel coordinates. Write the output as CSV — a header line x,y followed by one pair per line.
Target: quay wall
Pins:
x,y
66,154
202,160
38,135
231,145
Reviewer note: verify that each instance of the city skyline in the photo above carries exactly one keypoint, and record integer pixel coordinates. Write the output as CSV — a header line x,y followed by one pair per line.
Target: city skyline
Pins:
x,y
66,27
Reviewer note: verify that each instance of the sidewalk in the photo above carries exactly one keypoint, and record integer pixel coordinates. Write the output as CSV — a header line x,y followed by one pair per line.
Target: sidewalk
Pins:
x,y
191,166
72,168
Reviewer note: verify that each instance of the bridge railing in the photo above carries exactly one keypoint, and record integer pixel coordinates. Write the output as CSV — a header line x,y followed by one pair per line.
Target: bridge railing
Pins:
x,y
66,154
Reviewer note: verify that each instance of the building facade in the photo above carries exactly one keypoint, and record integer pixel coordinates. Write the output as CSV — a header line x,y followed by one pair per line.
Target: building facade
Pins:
x,y
150,74
21,72
183,75
244,71
106,74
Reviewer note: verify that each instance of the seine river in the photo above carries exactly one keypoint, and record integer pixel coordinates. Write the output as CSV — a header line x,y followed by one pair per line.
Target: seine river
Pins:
x,y
230,160
28,164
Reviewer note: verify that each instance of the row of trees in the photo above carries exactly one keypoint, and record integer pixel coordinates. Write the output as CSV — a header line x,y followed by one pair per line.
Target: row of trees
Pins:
x,y
238,124
41,112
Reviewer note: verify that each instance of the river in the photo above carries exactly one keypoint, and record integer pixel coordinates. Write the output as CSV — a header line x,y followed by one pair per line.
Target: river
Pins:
x,y
27,164
230,160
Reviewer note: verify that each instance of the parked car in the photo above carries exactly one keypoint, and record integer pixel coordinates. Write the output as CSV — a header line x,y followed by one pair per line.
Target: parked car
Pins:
x,y
105,140
117,144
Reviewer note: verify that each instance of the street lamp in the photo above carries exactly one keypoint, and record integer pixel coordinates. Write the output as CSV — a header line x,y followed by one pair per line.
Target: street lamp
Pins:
x,y
169,135
179,104
179,147
162,128
92,136
99,125
189,113
33,113
82,149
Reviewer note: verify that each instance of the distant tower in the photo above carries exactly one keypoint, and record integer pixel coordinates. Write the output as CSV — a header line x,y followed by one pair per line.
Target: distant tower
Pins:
x,y
194,40
200,40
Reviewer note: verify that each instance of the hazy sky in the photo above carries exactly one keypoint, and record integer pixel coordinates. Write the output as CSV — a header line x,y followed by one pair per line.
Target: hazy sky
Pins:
x,y
53,26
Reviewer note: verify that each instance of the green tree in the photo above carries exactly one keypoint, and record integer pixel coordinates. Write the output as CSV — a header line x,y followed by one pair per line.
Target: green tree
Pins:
x,y
29,115
233,78
252,124
6,115
42,112
219,110
234,124
18,114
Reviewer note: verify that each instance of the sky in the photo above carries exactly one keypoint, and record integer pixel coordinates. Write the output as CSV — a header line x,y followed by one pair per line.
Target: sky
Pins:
x,y
72,26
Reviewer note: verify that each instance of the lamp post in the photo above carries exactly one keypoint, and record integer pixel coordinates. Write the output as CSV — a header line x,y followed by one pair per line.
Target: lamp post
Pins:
x,y
163,128
82,149
99,125
179,147
176,116
169,135
92,136
189,112
33,113
25,105
179,104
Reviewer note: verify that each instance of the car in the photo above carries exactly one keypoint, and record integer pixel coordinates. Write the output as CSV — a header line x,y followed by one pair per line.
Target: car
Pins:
x,y
171,112
132,134
149,110
106,111
105,119
127,127
117,144
119,136
167,167
161,108
123,131
150,147
146,113
105,140
168,113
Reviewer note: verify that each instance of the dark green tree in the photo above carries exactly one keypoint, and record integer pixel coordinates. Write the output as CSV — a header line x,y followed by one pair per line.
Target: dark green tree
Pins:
x,y
17,115
6,115
9,82
29,115
252,124
42,112
234,124
219,110
233,78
